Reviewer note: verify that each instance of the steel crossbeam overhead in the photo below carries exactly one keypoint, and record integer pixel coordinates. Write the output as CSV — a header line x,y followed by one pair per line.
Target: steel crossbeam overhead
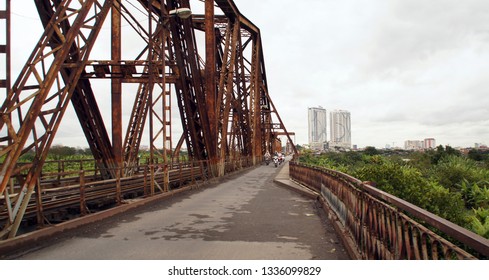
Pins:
x,y
153,56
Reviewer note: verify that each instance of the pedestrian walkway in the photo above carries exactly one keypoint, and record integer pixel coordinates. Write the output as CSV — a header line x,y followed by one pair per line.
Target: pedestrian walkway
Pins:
x,y
245,216
284,180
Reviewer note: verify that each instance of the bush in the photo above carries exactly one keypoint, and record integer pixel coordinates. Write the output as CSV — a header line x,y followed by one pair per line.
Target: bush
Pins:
x,y
451,171
398,179
446,204
475,195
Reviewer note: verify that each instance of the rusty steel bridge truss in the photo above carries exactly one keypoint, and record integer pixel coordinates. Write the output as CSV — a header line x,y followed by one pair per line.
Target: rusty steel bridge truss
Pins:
x,y
222,97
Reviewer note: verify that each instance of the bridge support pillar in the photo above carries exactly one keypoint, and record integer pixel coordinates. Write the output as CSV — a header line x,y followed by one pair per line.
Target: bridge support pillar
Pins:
x,y
210,89
116,85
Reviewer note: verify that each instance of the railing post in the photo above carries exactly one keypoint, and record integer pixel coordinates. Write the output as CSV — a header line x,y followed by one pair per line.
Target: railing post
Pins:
x,y
96,168
202,173
166,178
118,185
152,178
180,175
62,166
192,172
83,204
40,212
145,181
59,173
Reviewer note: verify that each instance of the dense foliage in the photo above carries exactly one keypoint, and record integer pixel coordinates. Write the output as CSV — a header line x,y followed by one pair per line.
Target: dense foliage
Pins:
x,y
71,160
442,181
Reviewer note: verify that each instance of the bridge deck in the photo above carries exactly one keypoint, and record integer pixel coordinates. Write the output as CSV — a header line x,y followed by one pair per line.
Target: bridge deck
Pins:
x,y
243,216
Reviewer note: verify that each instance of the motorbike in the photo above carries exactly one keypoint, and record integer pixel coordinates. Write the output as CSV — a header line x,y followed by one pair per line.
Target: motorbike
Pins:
x,y
275,161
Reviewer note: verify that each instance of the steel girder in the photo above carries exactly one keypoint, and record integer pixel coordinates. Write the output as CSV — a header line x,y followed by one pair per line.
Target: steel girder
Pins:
x,y
83,98
153,93
59,72
34,107
234,91
189,87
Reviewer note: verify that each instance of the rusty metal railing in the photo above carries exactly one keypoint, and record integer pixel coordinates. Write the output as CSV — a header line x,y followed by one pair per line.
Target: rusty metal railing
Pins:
x,y
79,190
383,226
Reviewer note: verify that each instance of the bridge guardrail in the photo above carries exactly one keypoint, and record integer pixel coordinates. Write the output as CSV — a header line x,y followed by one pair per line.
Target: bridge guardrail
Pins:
x,y
381,225
67,194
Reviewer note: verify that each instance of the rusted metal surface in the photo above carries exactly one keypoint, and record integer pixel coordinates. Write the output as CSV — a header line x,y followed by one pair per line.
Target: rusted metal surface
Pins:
x,y
76,194
41,97
210,84
116,84
83,98
231,79
382,225
5,47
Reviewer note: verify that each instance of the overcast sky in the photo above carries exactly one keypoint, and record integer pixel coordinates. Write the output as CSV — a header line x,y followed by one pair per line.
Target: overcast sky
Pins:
x,y
405,69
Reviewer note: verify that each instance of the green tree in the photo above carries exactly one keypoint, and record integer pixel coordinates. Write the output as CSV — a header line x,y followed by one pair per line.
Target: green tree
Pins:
x,y
60,151
445,203
476,155
400,180
371,151
441,152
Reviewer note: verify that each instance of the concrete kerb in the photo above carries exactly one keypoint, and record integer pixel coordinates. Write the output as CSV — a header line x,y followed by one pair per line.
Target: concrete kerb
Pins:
x,y
284,180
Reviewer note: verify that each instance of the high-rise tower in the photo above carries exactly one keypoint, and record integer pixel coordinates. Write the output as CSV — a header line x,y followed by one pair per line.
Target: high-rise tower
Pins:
x,y
340,125
317,128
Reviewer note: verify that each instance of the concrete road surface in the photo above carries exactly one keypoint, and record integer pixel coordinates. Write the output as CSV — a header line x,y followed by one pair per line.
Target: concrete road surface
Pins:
x,y
243,216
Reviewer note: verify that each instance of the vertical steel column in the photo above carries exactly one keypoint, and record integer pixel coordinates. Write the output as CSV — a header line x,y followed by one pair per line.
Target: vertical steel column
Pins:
x,y
5,15
150,86
116,84
226,97
210,82
255,100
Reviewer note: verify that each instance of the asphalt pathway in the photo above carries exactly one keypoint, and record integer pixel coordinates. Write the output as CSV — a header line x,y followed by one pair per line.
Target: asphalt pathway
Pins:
x,y
245,216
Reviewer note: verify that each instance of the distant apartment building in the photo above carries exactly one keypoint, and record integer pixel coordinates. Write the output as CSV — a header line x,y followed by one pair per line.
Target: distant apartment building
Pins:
x,y
480,146
429,143
413,145
317,128
340,129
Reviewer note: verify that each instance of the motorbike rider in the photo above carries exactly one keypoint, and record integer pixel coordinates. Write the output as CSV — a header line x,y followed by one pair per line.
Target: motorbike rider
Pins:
x,y
276,159
267,158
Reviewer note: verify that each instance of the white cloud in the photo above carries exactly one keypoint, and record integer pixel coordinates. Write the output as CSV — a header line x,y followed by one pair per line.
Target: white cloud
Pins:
x,y
405,70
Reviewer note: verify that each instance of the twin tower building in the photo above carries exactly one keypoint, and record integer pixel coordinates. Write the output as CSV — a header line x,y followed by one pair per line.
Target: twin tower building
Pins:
x,y
339,127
